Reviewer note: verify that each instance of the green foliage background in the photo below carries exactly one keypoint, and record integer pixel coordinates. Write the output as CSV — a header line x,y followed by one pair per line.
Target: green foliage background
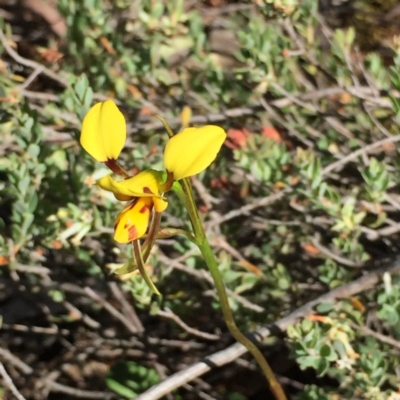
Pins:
x,y
306,195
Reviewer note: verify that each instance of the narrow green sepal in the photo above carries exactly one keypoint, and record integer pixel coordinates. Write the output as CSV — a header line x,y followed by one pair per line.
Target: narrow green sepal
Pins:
x,y
141,266
129,267
178,190
166,126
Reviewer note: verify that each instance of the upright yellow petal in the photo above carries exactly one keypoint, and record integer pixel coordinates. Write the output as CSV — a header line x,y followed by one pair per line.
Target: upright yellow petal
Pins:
x,y
186,116
132,222
144,184
103,131
193,150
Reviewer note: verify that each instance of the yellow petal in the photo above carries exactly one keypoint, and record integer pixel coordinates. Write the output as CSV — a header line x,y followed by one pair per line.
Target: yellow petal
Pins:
x,y
186,116
193,150
132,222
160,204
144,184
103,131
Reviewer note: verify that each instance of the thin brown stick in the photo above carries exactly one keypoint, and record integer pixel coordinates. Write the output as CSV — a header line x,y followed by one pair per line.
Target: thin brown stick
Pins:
x,y
29,63
378,336
237,350
111,310
9,383
167,313
359,152
127,308
265,201
54,386
205,275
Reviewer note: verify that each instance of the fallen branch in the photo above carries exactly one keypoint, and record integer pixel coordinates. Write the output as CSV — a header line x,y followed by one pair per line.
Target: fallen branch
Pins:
x,y
9,383
235,351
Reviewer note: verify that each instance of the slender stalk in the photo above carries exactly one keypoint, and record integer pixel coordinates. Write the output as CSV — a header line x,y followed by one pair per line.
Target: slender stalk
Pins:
x,y
209,258
152,235
137,252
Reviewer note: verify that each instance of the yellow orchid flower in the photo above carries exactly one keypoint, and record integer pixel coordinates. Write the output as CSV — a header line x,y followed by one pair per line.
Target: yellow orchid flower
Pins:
x,y
142,189
186,154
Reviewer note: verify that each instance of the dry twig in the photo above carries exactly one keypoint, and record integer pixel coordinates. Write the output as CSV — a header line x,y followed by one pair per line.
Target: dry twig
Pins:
x,y
9,383
235,351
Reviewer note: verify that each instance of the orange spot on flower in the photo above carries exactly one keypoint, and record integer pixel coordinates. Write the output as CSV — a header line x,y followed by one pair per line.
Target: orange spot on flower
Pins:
x,y
147,190
132,233
143,209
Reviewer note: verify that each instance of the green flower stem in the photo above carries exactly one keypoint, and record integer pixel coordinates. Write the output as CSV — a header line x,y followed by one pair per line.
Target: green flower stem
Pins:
x,y
137,252
209,258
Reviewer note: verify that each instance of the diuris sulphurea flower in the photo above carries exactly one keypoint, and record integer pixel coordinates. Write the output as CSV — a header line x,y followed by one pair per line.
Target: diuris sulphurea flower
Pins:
x,y
186,154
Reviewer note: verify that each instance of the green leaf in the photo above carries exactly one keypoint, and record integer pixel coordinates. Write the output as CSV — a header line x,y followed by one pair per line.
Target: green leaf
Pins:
x,y
322,367
129,379
32,202
327,352
324,308
33,150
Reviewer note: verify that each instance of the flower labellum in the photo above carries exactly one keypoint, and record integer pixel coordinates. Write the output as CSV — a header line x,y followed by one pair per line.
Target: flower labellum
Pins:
x,y
132,222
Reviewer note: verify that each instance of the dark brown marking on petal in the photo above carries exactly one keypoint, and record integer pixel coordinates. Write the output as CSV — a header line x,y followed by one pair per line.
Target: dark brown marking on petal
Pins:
x,y
132,233
143,209
131,205
147,190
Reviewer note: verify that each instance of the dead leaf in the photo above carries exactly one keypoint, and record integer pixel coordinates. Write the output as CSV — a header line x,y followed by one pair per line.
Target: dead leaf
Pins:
x,y
147,111
271,133
3,261
134,91
319,318
56,244
357,304
309,248
107,45
237,138
251,267
51,55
